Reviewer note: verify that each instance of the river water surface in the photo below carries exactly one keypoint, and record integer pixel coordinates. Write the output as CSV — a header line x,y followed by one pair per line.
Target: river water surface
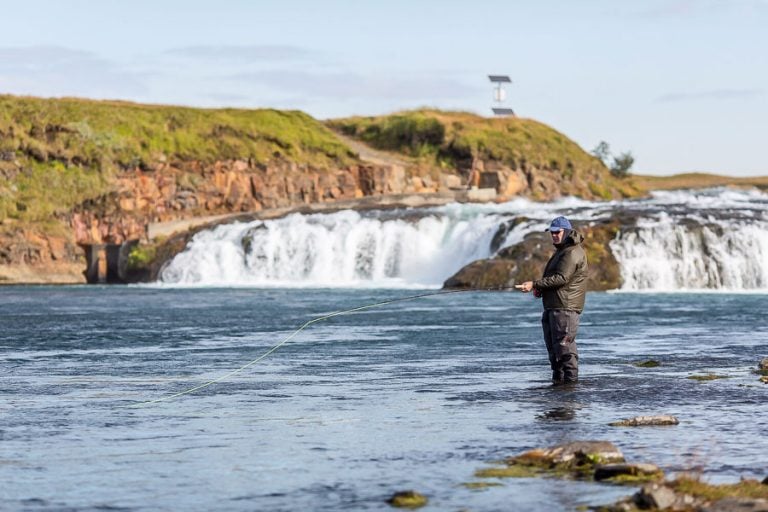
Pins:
x,y
413,395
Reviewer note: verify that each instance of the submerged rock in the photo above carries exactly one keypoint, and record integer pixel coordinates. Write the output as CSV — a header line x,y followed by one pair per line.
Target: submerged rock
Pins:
x,y
643,421
407,499
709,376
650,363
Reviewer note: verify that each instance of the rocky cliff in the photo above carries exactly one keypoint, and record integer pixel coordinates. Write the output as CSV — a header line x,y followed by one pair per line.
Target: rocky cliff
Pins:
x,y
76,172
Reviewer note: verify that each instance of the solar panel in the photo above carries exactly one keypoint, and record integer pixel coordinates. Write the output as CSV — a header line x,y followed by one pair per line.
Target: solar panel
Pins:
x,y
503,111
499,79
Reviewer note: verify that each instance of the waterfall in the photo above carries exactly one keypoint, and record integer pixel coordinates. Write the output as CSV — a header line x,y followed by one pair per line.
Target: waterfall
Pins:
x,y
715,239
343,249
663,254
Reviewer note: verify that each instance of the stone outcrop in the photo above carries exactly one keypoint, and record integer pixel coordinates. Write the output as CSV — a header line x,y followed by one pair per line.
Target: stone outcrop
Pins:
x,y
525,261
190,189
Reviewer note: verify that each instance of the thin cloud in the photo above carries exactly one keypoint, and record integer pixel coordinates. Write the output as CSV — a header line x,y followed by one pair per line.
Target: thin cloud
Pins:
x,y
345,85
713,95
254,53
59,71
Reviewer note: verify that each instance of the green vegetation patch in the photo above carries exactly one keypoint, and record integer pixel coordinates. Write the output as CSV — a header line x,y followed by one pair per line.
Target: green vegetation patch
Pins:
x,y
447,138
707,377
141,256
640,478
480,485
511,471
744,489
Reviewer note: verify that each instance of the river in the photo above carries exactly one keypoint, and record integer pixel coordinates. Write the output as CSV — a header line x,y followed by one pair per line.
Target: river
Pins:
x,y
412,395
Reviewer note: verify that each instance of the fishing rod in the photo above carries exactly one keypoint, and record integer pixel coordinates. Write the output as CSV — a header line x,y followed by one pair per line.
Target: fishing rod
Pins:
x,y
297,331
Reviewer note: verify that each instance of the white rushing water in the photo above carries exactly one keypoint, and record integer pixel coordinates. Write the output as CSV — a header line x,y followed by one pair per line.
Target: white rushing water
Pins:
x,y
665,255
343,249
715,239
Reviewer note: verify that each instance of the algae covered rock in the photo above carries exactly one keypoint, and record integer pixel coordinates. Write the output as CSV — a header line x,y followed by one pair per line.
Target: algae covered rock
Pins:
x,y
645,421
570,460
407,499
577,453
628,473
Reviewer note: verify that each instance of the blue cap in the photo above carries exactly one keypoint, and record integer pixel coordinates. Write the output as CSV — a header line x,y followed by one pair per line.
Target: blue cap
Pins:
x,y
559,224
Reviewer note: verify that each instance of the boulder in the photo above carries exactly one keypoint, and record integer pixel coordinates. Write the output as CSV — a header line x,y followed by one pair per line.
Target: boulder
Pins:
x,y
644,421
628,472
577,453
407,499
656,497
482,274
763,364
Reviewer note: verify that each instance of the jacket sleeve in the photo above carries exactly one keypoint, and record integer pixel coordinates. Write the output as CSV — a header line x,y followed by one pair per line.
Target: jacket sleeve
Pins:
x,y
562,274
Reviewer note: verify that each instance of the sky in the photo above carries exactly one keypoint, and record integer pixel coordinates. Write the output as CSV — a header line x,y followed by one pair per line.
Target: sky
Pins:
x,y
682,85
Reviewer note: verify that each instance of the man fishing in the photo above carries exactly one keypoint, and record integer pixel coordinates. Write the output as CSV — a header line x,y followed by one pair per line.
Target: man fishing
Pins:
x,y
563,289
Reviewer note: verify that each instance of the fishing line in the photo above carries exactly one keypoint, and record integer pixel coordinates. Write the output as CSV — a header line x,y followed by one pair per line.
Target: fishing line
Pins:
x,y
297,331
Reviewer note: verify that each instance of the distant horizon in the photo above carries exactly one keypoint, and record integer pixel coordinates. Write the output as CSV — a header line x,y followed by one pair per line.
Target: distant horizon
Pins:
x,y
681,84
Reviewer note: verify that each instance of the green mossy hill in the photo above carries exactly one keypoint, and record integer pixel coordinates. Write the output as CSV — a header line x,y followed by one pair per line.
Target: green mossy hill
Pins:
x,y
55,153
453,138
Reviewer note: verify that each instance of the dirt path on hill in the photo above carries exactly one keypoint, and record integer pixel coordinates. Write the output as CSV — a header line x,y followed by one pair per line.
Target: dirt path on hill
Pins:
x,y
373,156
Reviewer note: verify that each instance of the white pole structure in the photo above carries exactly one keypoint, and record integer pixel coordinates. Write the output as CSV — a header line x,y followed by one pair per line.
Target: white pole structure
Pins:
x,y
499,95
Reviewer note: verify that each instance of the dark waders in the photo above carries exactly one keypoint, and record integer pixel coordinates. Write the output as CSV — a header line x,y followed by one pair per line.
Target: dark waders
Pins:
x,y
560,326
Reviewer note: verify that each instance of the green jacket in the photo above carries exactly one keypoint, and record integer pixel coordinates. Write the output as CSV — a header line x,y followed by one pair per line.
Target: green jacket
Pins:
x,y
564,285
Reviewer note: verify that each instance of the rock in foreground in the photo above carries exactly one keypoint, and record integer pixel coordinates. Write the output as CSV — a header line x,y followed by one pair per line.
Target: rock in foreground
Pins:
x,y
690,494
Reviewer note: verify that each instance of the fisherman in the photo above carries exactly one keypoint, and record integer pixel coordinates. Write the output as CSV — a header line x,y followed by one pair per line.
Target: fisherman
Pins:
x,y
563,288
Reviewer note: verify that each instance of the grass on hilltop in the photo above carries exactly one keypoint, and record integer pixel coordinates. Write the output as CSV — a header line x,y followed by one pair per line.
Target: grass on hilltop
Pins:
x,y
55,153
453,138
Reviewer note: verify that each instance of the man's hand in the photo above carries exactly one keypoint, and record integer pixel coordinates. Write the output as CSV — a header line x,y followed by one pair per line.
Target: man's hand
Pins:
x,y
525,287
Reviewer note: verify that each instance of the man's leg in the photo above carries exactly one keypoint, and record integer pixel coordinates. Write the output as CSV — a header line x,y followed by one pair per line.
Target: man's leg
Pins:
x,y
546,325
565,324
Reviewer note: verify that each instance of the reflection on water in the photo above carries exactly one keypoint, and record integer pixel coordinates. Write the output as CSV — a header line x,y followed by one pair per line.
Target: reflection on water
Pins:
x,y
359,406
